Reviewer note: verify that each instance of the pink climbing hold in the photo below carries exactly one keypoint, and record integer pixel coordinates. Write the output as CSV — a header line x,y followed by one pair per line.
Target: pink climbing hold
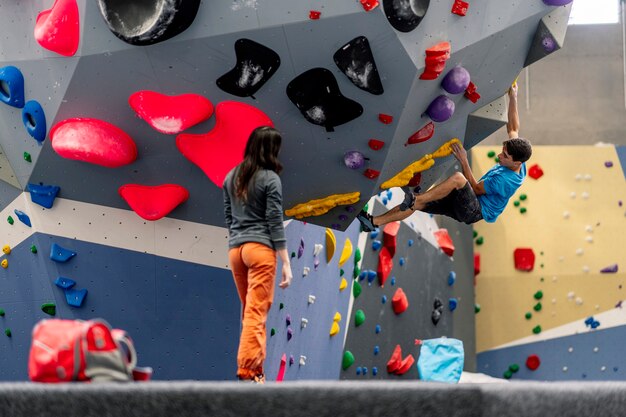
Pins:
x,y
385,264
524,259
153,202
399,302
170,114
94,141
220,150
445,241
57,29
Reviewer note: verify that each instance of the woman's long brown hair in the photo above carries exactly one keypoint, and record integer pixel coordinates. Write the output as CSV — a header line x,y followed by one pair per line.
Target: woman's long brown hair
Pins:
x,y
261,153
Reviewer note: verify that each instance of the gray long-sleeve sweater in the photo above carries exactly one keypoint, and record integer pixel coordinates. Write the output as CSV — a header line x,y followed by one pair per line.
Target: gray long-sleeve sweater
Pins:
x,y
261,218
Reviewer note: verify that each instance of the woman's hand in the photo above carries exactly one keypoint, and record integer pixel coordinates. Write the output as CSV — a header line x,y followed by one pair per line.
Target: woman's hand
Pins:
x,y
287,276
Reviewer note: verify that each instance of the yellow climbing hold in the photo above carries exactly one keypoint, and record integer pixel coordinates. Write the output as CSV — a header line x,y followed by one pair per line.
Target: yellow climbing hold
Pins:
x,y
343,284
334,329
403,177
337,317
4,264
322,205
6,249
331,243
346,252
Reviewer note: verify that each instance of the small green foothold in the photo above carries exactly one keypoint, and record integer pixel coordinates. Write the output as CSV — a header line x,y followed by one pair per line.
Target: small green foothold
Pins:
x,y
33,249
341,272
537,329
491,154
514,368
523,197
356,272
356,289
538,295
516,203
7,332
49,308
541,266
281,306
366,207
348,360
476,308
475,234
497,160
528,315
541,279
480,241
357,255
1,312
27,157
359,318
522,210
10,220
272,331
507,374
537,307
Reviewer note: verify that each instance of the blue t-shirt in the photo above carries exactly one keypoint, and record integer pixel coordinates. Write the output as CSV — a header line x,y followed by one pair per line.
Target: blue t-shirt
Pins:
x,y
500,184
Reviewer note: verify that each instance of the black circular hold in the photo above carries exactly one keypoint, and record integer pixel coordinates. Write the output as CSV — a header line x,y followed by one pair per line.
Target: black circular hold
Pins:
x,y
146,22
405,15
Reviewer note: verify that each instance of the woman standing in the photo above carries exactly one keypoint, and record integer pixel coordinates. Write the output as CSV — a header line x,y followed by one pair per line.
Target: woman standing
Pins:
x,y
253,207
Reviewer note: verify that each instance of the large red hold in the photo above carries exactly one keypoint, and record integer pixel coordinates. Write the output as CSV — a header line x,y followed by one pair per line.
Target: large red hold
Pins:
x,y
58,29
524,259
445,241
395,361
385,264
94,141
399,302
422,135
153,202
435,61
390,233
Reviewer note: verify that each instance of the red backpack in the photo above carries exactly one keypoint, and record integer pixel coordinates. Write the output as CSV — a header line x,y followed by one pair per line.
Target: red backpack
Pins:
x,y
76,350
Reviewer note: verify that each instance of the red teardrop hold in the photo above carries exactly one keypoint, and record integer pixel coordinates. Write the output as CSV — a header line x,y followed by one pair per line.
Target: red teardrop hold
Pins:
x,y
153,202
385,118
58,28
416,180
445,241
385,264
423,134
376,144
395,361
399,302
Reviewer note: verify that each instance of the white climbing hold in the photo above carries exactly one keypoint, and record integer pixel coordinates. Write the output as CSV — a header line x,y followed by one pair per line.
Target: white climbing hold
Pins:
x,y
579,251
587,177
589,228
565,369
306,271
554,301
302,360
317,249
589,239
303,323
579,301
603,368
585,195
595,349
586,269
572,194
578,177
561,258
571,295
570,350
311,298
597,307
566,214
554,279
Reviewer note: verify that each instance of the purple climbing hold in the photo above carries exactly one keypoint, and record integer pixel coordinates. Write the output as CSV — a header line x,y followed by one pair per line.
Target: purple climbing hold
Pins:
x,y
343,217
291,360
316,263
548,43
350,209
611,269
440,109
608,164
557,2
289,333
288,319
456,80
335,226
301,249
354,159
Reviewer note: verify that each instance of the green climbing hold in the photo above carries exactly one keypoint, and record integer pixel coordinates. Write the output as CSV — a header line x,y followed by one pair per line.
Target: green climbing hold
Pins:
x,y
1,312
356,272
514,368
523,197
507,374
476,308
356,289
538,295
357,255
541,266
537,329
33,249
293,254
497,160
341,272
475,233
528,315
537,307
281,306
272,331
516,203
480,241
491,154
348,360
541,279
522,210
359,318
10,220
7,332
366,207
49,308
27,157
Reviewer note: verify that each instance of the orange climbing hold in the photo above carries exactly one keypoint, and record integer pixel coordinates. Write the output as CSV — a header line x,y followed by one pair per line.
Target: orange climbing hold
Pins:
x,y
390,233
444,241
524,259
385,264
435,61
399,302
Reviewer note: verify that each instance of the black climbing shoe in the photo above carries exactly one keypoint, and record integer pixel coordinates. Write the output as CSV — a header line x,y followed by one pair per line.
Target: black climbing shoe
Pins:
x,y
366,220
409,200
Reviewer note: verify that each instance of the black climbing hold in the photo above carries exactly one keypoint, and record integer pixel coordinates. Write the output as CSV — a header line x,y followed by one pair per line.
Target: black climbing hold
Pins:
x,y
405,15
256,64
355,59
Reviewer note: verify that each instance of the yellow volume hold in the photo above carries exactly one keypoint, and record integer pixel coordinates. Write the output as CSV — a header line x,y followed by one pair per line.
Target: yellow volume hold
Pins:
x,y
322,205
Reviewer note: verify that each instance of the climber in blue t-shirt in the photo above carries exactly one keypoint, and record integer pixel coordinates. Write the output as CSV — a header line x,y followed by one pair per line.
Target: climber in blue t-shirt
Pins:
x,y
461,196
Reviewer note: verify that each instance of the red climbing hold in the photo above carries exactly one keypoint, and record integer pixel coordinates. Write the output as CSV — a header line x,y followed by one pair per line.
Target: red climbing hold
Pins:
x,y
535,172
376,144
435,61
371,173
395,361
533,362
399,302
170,114
471,94
220,150
58,29
460,7
94,141
385,264
390,232
476,264
369,4
416,180
314,14
524,259
385,118
153,202
422,135
444,241
405,365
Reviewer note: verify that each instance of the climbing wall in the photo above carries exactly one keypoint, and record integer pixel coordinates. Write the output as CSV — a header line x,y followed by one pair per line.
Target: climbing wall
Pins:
x,y
559,302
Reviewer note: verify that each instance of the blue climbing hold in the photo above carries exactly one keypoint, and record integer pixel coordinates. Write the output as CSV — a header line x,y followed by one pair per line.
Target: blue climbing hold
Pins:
x,y
371,276
376,244
384,299
589,321
65,283
374,234
362,275
410,242
34,120
43,195
14,81
23,217
402,261
451,278
393,281
385,200
595,324
358,370
389,194
452,304
377,329
59,254
374,371
365,370
376,350
75,298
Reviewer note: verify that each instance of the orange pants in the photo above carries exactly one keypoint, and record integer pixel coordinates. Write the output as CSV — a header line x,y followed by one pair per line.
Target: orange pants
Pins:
x,y
254,269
